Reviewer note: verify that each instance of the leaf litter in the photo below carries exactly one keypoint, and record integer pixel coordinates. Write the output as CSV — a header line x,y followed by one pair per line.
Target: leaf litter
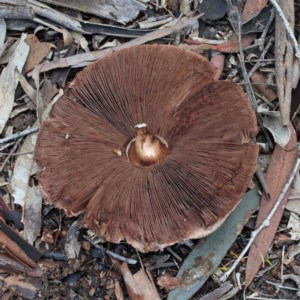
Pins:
x,y
29,60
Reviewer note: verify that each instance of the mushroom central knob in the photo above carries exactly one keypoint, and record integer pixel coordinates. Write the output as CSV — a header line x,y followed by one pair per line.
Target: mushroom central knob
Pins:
x,y
146,148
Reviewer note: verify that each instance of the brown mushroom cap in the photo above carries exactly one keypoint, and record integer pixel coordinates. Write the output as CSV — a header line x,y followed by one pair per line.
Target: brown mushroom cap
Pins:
x,y
176,178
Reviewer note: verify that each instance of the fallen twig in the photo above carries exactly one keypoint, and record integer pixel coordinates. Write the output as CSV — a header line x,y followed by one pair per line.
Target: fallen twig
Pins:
x,y
261,178
265,224
288,28
262,57
238,28
18,135
14,148
110,253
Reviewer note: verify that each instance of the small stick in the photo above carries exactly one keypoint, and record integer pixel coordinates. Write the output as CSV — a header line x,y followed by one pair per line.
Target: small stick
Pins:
x,y
18,135
262,57
264,34
288,28
247,83
110,253
14,148
265,224
6,146
171,251
261,178
280,286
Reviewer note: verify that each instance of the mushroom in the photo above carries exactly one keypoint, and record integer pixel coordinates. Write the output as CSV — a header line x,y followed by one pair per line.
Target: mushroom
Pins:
x,y
150,146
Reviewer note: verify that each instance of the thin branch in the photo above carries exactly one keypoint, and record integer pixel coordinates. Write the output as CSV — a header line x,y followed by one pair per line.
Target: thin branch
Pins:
x,y
265,224
260,61
237,25
261,178
11,153
110,253
18,135
288,28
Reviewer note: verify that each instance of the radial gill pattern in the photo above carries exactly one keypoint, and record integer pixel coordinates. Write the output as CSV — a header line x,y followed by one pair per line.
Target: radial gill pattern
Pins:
x,y
150,146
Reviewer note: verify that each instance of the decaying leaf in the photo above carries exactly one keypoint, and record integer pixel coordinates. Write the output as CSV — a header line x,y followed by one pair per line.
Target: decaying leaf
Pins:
x,y
272,121
279,170
139,286
206,256
72,245
9,81
32,217
292,251
22,169
294,226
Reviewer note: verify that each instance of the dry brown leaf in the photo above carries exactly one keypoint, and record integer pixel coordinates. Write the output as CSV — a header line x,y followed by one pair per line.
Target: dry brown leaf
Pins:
x,y
230,46
279,170
252,9
259,81
218,61
38,51
168,281
139,286
118,291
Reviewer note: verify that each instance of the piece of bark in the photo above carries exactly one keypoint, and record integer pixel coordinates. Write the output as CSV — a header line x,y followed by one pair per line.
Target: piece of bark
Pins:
x,y
19,12
17,247
27,288
139,286
122,11
10,265
43,11
284,60
279,170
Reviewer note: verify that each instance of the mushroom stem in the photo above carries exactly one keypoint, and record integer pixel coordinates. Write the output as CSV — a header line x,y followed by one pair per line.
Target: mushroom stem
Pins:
x,y
146,148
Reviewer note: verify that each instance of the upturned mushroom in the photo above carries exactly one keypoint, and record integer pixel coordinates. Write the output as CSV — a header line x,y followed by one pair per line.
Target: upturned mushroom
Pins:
x,y
150,146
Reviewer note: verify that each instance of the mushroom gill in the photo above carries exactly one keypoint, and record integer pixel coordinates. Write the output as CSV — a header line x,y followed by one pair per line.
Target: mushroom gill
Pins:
x,y
150,146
